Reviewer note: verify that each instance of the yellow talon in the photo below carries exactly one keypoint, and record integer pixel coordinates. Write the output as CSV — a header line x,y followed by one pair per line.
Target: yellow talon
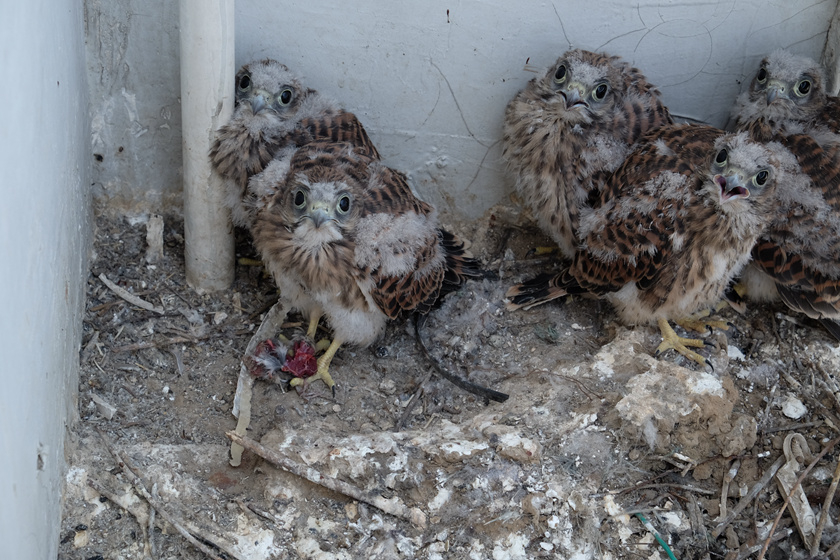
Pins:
x,y
672,341
700,322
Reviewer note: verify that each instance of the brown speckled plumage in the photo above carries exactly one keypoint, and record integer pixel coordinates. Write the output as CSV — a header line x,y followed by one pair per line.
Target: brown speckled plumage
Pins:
x,y
787,96
274,111
381,258
669,232
797,259
561,141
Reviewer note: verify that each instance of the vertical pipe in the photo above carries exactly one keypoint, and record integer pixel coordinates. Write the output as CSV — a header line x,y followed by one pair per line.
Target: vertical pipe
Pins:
x,y
207,75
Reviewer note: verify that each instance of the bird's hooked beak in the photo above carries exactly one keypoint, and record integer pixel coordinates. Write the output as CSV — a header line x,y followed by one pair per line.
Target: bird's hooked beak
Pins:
x,y
320,212
732,186
574,95
258,101
775,89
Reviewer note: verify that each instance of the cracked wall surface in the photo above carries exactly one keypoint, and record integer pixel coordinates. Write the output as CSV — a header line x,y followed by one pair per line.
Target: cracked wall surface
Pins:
x,y
430,80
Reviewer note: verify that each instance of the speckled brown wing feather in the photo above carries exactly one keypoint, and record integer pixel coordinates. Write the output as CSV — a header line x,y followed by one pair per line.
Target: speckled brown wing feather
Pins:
x,y
238,153
388,191
341,126
643,242
801,249
561,156
633,240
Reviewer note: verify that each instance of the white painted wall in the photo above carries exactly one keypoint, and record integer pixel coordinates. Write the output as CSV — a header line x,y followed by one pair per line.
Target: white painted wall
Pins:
x,y
134,74
44,239
431,87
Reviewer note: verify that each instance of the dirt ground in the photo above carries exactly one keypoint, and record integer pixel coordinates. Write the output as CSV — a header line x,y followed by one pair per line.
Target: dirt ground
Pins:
x,y
597,435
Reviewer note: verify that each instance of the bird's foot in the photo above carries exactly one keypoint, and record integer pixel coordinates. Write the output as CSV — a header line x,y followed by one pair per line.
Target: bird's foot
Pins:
x,y
701,323
322,345
672,341
322,373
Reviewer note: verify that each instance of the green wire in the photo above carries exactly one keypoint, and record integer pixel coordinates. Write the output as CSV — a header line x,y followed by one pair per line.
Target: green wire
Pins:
x,y
650,528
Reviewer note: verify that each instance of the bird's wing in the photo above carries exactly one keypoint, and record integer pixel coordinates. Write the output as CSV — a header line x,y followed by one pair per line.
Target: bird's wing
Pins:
x,y
340,126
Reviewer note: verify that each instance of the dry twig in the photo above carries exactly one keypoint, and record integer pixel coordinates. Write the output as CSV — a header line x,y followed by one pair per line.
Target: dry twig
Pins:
x,y
415,398
105,491
829,497
393,506
138,484
745,501
129,297
799,480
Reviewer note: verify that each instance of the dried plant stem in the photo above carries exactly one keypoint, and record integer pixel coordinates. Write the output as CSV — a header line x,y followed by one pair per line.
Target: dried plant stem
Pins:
x,y
745,501
129,297
393,506
829,497
799,480
130,470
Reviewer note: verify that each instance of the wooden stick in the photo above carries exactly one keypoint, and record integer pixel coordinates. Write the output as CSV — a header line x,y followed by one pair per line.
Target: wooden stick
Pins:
x,y
105,491
799,480
415,398
129,297
393,506
829,497
745,501
126,464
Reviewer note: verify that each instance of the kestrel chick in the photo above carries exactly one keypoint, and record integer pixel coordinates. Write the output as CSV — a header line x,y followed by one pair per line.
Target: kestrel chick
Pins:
x,y
569,129
673,225
345,237
796,260
273,111
787,96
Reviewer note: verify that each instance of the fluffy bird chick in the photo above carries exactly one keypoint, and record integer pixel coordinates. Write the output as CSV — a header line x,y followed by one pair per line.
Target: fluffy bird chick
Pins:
x,y
569,129
797,259
345,237
273,111
787,96
674,224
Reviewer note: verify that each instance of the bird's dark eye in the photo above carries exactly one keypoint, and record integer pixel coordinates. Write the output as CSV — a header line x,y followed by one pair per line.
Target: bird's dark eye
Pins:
x,y
600,92
761,177
244,82
720,159
803,87
300,199
560,75
344,204
285,97
761,77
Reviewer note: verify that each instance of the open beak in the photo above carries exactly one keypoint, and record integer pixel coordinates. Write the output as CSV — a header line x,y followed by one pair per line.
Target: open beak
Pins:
x,y
731,186
573,97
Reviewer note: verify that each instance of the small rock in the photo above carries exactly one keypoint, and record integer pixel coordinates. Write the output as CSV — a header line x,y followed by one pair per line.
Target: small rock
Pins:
x,y
388,386
793,408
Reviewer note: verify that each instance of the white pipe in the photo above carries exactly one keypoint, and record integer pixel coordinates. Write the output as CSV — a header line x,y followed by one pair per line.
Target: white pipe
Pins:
x,y
207,75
